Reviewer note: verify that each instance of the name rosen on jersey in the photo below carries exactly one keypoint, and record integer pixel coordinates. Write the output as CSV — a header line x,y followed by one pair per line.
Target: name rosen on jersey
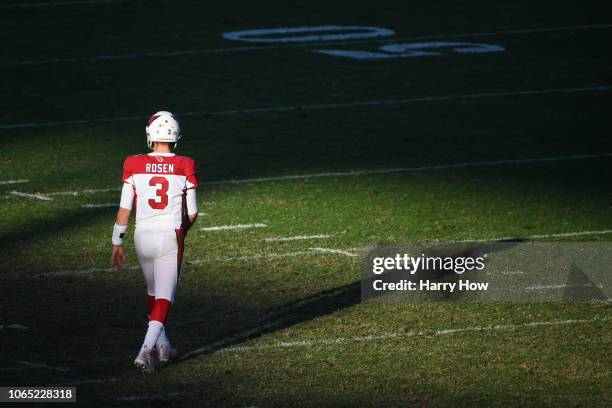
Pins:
x,y
159,168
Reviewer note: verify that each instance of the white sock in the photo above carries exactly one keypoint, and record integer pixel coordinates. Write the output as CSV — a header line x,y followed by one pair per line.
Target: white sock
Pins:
x,y
152,335
162,340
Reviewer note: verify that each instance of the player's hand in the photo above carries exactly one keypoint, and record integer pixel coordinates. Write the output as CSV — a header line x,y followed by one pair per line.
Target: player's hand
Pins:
x,y
118,257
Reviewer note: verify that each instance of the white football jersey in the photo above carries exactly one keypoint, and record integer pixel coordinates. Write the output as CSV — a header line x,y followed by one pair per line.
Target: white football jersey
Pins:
x,y
160,182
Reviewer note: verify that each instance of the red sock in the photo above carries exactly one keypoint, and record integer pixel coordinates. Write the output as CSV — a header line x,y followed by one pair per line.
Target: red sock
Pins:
x,y
150,304
160,310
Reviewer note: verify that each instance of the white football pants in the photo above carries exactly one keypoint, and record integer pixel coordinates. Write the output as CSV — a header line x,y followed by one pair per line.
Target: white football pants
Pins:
x,y
160,253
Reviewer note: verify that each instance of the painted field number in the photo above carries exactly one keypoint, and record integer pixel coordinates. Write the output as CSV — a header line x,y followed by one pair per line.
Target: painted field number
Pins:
x,y
320,34
415,50
308,34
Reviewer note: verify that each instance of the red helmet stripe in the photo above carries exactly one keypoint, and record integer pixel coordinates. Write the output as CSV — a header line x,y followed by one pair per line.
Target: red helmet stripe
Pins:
x,y
152,119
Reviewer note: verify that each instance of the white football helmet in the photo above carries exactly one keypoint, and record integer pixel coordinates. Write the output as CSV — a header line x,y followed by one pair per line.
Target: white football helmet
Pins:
x,y
162,127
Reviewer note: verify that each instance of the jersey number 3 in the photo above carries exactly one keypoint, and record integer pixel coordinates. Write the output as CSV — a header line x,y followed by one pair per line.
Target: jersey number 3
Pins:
x,y
161,192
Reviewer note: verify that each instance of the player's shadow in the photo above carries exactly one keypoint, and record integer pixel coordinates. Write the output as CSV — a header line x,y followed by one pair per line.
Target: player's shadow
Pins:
x,y
278,318
329,301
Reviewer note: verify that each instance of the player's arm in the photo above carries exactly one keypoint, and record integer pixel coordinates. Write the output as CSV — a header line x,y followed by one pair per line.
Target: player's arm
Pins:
x,y
119,256
191,199
192,206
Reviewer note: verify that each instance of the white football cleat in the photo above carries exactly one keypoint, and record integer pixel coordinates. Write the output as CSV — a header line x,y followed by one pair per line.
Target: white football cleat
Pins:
x,y
165,353
145,360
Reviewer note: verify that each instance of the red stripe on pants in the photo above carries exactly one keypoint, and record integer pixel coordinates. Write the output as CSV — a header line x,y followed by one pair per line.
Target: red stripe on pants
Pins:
x,y
161,307
180,239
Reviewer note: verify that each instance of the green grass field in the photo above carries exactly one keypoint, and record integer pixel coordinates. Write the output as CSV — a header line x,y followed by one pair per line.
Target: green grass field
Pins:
x,y
272,323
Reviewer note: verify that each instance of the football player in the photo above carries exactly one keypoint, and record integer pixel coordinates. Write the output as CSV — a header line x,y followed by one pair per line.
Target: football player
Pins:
x,y
162,187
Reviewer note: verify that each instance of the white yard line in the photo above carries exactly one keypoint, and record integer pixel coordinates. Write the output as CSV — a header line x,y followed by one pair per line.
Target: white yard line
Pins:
x,y
184,53
542,236
266,256
60,3
83,271
149,397
323,106
332,251
105,205
297,238
505,273
86,191
85,381
5,182
384,336
563,286
75,272
569,234
33,196
310,251
17,326
14,326
439,167
391,102
233,227
462,165
251,257
28,365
